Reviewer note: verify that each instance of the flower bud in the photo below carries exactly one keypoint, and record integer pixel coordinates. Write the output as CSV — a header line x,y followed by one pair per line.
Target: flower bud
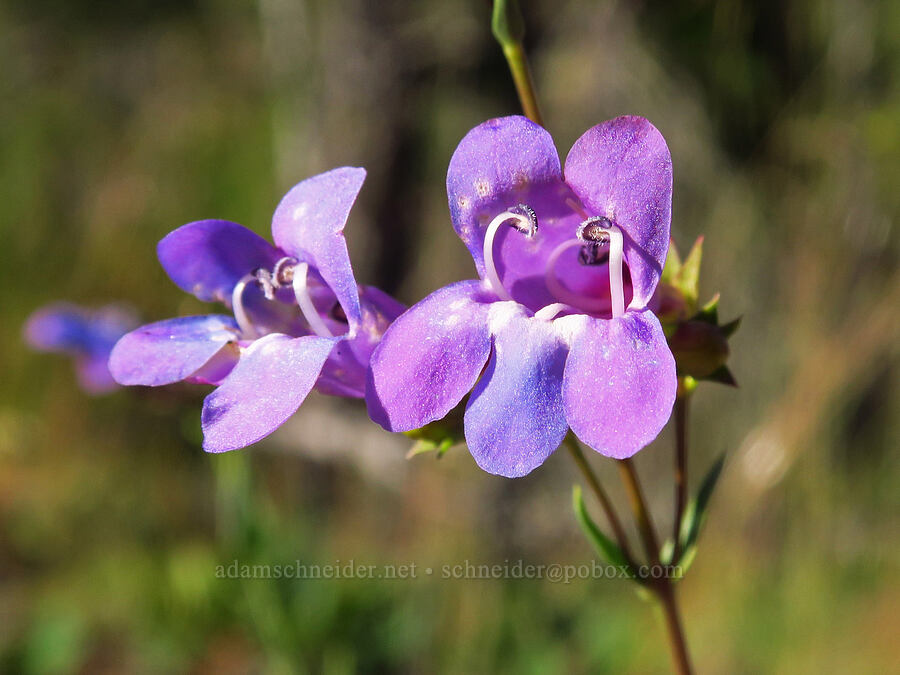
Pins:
x,y
700,348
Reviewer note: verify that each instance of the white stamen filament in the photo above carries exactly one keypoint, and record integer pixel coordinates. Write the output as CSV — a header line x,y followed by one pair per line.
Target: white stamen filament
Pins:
x,y
248,332
616,284
553,310
489,267
310,313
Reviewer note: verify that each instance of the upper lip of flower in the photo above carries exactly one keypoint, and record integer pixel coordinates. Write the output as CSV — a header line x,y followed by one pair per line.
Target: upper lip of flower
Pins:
x,y
620,174
218,259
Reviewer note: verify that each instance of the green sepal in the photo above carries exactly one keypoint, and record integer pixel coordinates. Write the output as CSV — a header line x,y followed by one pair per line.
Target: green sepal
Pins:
x,y
423,446
438,436
709,313
507,23
606,548
730,328
722,375
695,515
689,274
673,264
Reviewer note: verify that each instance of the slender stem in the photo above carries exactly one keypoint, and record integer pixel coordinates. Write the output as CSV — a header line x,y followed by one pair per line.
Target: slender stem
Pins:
x,y
681,441
662,587
639,507
575,450
674,630
521,74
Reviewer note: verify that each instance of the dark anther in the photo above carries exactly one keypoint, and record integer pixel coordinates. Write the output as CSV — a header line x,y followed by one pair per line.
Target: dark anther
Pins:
x,y
593,253
595,230
283,272
528,212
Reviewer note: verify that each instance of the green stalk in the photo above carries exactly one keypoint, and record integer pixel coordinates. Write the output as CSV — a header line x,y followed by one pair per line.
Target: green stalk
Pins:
x,y
509,29
662,588
591,478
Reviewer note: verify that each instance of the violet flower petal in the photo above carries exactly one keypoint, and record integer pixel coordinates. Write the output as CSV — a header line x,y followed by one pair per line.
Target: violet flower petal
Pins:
x,y
345,370
208,257
515,418
309,224
622,169
69,328
619,384
498,164
172,350
272,379
93,374
429,358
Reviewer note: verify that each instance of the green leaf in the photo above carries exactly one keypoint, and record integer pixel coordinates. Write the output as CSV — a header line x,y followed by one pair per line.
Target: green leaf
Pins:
x,y
606,547
695,514
507,23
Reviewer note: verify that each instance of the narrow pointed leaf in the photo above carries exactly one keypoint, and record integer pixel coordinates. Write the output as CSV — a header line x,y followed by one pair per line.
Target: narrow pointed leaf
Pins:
x,y
695,514
605,547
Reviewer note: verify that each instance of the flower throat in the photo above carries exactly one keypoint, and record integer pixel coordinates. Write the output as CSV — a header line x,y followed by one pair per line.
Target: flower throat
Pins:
x,y
599,241
287,272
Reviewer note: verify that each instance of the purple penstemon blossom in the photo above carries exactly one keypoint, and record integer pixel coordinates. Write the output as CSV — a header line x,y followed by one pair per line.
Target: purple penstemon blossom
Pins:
x,y
87,335
299,318
556,333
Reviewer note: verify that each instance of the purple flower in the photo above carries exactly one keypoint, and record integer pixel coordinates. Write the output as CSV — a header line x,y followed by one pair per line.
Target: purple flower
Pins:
x,y
300,320
88,335
556,333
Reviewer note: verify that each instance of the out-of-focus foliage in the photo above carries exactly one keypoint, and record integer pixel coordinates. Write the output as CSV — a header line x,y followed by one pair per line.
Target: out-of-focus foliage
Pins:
x,y
121,121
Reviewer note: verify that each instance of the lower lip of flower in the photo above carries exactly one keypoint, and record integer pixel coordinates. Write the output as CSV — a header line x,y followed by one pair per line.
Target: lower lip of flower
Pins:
x,y
599,240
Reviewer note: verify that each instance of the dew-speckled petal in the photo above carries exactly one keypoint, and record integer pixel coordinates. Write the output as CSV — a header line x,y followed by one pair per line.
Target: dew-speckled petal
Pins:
x,y
172,350
515,419
619,385
309,224
622,169
208,257
497,165
429,358
272,379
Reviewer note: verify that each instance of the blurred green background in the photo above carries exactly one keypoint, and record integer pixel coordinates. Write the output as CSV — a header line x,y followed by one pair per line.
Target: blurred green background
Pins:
x,y
120,121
